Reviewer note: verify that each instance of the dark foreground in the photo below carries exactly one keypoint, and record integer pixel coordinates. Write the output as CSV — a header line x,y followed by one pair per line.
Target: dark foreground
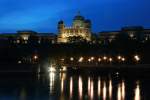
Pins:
x,y
84,84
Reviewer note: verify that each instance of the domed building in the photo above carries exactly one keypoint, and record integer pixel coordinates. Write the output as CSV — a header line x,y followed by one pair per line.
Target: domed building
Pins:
x,y
81,28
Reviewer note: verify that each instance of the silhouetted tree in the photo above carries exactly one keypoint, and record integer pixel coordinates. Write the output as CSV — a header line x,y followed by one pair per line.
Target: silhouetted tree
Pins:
x,y
76,39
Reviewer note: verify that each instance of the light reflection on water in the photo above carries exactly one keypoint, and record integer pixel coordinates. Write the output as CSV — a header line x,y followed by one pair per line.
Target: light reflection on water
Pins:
x,y
104,91
92,90
62,78
103,88
137,92
70,86
121,91
51,82
80,87
99,87
89,86
110,89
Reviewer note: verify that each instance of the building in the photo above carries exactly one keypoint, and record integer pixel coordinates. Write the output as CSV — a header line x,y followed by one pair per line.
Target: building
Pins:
x,y
108,36
27,36
147,34
47,38
132,32
81,28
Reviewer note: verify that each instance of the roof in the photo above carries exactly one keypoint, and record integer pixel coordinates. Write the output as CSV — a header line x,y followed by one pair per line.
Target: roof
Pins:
x,y
46,34
132,28
78,17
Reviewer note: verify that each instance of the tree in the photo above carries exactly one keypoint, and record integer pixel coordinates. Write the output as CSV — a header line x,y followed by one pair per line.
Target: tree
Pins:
x,y
76,39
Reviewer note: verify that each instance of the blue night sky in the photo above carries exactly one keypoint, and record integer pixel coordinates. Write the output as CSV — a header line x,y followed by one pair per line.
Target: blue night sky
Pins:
x,y
43,15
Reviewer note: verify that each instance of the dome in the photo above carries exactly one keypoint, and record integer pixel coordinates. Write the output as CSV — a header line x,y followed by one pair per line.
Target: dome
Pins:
x,y
78,17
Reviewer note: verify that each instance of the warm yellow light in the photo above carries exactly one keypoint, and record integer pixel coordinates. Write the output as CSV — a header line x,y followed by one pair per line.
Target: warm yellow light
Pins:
x,y
64,68
89,86
80,87
71,87
104,57
119,57
89,60
110,89
137,93
92,90
51,69
51,81
119,92
71,58
123,90
110,59
35,57
99,87
92,58
137,58
25,37
99,59
123,59
104,91
81,59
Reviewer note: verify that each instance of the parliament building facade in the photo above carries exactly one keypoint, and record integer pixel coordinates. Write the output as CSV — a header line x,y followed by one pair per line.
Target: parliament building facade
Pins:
x,y
81,28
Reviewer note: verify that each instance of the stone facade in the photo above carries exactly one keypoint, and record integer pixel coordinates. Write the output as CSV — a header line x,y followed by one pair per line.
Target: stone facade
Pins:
x,y
80,28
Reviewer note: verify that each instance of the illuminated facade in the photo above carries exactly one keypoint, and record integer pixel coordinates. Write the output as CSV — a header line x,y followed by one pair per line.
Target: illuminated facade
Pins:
x,y
27,36
80,28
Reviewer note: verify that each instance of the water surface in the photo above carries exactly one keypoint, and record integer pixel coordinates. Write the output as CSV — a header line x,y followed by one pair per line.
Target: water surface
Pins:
x,y
78,85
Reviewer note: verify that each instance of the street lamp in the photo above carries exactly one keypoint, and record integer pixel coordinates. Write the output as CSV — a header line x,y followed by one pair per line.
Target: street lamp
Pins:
x,y
110,59
71,58
105,58
81,59
119,57
89,60
123,59
99,59
137,58
35,57
92,58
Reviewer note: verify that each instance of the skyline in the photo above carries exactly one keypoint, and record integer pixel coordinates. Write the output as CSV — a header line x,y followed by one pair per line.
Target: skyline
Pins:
x,y
43,16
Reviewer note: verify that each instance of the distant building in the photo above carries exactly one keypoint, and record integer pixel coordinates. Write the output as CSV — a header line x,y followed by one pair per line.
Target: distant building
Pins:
x,y
27,36
47,38
23,36
108,36
133,32
147,34
81,28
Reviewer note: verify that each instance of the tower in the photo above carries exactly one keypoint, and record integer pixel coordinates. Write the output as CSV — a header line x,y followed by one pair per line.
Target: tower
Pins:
x,y
61,26
88,24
